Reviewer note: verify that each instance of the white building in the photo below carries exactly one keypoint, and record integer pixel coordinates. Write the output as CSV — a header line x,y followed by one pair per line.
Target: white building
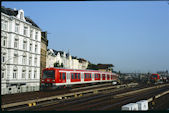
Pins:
x,y
20,52
67,60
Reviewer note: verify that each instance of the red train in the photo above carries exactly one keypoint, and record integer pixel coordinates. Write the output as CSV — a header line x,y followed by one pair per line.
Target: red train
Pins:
x,y
56,77
155,78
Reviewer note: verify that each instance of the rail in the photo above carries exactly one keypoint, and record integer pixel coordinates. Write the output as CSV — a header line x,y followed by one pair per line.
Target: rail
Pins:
x,y
131,92
65,95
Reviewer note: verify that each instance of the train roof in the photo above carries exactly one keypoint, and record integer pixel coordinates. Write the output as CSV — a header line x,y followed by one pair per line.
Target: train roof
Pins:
x,y
77,70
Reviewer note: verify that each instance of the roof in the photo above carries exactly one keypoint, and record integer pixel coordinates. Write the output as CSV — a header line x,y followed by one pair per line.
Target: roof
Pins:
x,y
81,60
8,11
31,21
11,12
104,66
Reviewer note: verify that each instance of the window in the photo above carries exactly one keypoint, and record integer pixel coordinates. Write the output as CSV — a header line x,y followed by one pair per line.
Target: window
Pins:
x,y
35,61
14,73
23,74
4,41
30,47
31,33
87,75
29,75
78,75
75,75
24,45
15,61
30,61
36,36
24,60
72,76
35,74
21,16
25,32
36,47
63,76
16,43
16,27
95,75
108,77
103,76
3,57
49,74
2,73
4,24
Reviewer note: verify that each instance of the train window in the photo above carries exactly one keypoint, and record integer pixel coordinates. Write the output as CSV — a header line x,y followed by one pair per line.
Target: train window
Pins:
x,y
103,76
108,76
78,75
49,74
72,76
63,76
75,75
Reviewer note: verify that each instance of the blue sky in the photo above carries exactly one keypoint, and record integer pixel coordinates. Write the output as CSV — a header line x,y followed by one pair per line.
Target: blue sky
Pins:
x,y
134,36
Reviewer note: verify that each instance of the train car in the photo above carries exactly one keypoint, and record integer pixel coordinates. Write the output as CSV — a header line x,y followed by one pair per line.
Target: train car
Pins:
x,y
57,77
154,78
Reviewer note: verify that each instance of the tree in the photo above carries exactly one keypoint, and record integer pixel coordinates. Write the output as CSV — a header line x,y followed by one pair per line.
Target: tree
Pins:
x,y
61,65
92,66
56,64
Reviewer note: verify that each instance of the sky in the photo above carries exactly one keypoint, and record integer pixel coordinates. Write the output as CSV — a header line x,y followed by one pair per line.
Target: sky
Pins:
x,y
133,36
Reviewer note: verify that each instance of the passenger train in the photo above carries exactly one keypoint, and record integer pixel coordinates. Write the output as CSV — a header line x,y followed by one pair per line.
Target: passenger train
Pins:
x,y
58,77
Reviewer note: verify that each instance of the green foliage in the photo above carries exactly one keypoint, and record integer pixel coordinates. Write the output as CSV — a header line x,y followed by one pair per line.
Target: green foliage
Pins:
x,y
56,64
92,66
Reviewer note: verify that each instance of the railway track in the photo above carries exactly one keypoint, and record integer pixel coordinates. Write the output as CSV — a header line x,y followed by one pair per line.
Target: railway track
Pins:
x,y
12,98
104,101
80,92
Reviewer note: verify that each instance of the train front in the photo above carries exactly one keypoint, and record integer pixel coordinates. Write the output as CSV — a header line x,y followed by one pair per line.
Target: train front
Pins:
x,y
155,78
48,78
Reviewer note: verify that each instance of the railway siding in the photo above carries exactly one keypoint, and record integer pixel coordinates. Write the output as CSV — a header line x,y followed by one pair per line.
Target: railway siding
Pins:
x,y
158,96
140,90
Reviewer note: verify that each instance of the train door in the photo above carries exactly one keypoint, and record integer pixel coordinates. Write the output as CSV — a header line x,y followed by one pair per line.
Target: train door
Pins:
x,y
82,76
92,76
68,77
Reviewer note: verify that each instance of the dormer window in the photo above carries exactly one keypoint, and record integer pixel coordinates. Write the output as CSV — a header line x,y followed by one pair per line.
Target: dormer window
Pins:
x,y
21,15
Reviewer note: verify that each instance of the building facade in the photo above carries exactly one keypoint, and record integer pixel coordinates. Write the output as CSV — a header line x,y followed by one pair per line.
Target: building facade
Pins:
x,y
20,52
44,44
65,59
